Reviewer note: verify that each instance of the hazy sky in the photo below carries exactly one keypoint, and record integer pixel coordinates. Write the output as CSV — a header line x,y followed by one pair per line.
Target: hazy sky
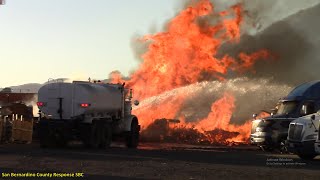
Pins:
x,y
77,39
41,39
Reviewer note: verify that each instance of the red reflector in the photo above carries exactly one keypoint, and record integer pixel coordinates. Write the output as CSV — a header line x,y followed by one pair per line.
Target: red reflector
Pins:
x,y
84,105
40,104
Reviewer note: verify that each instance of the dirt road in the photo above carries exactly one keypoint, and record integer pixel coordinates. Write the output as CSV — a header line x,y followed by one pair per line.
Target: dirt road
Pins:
x,y
154,161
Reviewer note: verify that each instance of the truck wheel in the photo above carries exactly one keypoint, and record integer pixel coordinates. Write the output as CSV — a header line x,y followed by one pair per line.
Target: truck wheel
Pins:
x,y
266,148
132,139
60,140
283,148
44,135
85,130
307,156
106,136
95,135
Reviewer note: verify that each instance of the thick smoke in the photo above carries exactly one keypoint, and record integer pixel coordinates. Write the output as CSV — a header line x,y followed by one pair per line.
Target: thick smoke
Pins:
x,y
295,44
289,34
258,15
33,103
261,14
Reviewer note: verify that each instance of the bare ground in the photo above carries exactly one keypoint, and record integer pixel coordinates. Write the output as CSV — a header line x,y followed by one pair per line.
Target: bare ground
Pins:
x,y
158,161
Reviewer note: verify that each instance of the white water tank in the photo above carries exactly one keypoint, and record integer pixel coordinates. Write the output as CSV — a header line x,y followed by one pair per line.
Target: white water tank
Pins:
x,y
79,98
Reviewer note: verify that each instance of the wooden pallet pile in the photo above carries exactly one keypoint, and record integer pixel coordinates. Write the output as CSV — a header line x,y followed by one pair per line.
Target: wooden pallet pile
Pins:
x,y
22,131
16,130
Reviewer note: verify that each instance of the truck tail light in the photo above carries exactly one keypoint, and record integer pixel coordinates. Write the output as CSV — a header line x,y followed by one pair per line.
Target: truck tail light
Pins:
x,y
40,104
84,105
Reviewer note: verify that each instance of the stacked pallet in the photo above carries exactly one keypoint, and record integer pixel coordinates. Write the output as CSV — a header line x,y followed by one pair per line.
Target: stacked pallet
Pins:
x,y
22,131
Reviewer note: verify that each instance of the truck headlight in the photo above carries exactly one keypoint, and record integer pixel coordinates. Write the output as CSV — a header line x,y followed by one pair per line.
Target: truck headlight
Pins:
x,y
258,129
311,137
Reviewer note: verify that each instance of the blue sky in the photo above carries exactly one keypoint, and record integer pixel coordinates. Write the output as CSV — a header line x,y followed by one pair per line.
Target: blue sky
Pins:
x,y
42,39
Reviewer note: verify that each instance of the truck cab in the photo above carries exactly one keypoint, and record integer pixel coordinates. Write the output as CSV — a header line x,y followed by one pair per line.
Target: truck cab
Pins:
x,y
302,136
271,132
317,143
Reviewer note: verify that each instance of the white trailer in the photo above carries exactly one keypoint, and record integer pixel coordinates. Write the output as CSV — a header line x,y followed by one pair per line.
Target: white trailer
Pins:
x,y
90,112
302,135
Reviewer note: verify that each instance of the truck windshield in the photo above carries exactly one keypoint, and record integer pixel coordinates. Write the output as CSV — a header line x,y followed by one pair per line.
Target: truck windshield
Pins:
x,y
287,107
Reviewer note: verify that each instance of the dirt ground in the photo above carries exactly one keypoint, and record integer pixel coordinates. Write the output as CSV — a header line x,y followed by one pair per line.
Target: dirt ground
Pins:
x,y
155,161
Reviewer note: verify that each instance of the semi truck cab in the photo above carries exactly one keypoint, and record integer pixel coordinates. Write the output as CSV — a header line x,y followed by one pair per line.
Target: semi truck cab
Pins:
x,y
317,143
302,136
271,132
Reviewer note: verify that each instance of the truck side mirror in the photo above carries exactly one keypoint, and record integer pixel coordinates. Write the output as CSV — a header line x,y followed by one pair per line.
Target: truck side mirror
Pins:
x,y
136,102
313,117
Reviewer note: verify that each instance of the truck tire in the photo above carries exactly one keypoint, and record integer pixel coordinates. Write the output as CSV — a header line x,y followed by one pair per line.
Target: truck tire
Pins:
x,y
95,134
106,137
85,131
266,148
132,139
59,140
44,135
283,147
307,156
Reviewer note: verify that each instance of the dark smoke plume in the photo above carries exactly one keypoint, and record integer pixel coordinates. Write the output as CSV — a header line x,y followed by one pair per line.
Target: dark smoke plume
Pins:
x,y
295,44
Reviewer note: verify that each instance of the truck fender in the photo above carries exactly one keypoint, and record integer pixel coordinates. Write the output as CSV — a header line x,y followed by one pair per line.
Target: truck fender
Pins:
x,y
128,120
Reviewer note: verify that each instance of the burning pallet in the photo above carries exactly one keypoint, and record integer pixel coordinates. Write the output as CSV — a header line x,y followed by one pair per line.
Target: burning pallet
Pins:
x,y
168,131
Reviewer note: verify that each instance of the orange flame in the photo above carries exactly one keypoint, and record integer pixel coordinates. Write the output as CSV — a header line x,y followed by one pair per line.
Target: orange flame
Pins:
x,y
220,115
186,53
182,54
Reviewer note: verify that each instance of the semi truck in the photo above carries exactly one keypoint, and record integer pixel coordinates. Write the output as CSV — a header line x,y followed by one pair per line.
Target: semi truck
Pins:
x,y
271,132
317,143
92,112
302,136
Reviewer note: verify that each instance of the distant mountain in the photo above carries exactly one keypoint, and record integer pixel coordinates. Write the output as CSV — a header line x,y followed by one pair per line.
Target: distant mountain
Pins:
x,y
34,87
26,88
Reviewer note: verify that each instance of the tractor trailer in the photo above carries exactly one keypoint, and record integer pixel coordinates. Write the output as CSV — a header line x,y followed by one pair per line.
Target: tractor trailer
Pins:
x,y
303,134
317,143
93,113
271,132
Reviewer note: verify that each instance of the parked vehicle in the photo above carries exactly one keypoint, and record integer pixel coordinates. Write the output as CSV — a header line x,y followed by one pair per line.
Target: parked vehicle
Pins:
x,y
302,136
317,143
271,132
90,112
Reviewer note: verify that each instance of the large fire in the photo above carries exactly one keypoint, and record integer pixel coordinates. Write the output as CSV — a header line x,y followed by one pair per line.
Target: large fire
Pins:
x,y
186,53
